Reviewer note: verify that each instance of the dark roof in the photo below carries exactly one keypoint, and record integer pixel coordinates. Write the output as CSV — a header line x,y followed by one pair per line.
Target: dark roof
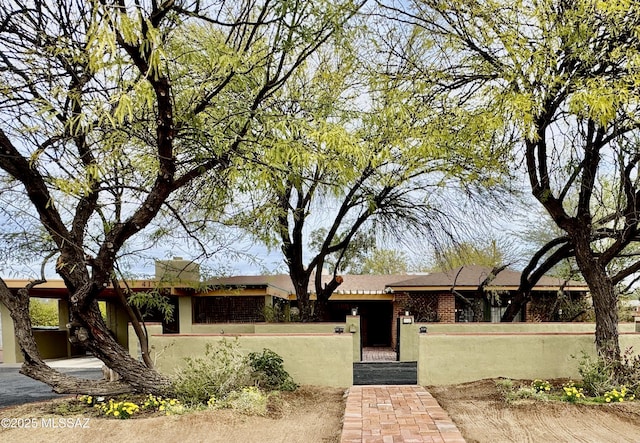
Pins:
x,y
472,276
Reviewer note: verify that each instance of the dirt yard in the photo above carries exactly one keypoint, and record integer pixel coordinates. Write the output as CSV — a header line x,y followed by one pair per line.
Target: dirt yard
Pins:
x,y
307,416
313,415
483,416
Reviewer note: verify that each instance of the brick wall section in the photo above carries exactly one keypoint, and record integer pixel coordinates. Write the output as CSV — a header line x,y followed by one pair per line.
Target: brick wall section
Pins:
x,y
447,308
400,301
528,315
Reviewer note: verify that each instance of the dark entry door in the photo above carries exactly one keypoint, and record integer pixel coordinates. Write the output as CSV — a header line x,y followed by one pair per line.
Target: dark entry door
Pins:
x,y
377,321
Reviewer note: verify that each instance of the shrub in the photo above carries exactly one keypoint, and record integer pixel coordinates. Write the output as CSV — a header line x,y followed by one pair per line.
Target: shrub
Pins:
x,y
223,369
606,373
269,372
43,312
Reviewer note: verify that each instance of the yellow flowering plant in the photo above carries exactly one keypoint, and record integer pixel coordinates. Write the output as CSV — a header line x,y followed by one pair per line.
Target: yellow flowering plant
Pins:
x,y
120,409
572,393
168,406
541,386
616,395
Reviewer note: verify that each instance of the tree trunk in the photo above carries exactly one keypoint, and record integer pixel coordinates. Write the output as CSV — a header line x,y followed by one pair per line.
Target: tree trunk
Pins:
x,y
136,321
605,304
323,293
89,330
97,338
301,285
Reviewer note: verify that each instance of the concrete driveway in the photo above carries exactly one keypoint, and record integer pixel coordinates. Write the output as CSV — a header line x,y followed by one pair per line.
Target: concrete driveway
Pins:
x,y
16,389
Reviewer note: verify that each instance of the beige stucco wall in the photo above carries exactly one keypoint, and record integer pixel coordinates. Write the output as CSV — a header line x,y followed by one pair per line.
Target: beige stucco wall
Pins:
x,y
311,359
134,344
408,339
520,327
185,315
10,352
51,343
457,358
117,321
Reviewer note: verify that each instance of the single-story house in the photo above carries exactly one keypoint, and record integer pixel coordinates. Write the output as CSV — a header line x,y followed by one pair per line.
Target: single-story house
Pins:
x,y
379,300
446,297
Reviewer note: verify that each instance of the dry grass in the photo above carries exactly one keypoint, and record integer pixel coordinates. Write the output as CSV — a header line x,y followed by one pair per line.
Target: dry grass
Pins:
x,y
311,414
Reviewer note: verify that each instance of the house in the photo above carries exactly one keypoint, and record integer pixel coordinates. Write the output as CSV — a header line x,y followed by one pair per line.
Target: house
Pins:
x,y
379,300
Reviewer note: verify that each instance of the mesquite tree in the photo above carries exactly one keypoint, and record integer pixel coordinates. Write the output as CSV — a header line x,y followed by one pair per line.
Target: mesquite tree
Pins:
x,y
355,147
565,75
112,112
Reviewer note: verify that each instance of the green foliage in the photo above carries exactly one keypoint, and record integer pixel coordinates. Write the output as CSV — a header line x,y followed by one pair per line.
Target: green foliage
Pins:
x,y
466,254
572,393
249,400
619,396
168,406
604,374
511,393
152,301
222,369
269,371
279,312
119,409
43,312
385,262
350,260
541,385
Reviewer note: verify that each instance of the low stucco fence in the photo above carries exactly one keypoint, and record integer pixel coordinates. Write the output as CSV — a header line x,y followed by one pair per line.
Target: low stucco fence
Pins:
x,y
449,354
446,353
313,353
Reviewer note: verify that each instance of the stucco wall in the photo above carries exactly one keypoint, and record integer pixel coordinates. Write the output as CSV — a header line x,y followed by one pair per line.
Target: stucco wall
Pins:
x,y
459,357
483,327
311,359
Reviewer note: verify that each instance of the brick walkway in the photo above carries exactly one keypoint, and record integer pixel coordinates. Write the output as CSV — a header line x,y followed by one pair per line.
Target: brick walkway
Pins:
x,y
396,414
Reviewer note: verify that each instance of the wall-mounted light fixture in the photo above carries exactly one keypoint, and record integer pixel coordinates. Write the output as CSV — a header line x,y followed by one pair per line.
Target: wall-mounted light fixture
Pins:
x,y
423,329
407,320
338,329
354,311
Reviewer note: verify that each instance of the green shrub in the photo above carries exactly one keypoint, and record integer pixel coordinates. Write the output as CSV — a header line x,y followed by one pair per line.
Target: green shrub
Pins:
x,y
43,312
223,369
269,372
604,373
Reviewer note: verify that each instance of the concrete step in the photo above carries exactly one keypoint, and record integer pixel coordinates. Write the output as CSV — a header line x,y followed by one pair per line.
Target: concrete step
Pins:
x,y
385,373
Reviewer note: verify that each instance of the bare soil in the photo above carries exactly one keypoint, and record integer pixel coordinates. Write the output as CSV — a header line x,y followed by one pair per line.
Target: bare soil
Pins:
x,y
482,415
314,414
309,415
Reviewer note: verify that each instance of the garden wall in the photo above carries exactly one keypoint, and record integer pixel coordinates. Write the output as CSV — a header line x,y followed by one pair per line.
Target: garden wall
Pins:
x,y
449,358
311,359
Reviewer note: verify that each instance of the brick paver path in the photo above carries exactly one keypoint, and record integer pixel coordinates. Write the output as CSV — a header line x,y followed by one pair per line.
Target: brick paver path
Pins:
x,y
396,414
